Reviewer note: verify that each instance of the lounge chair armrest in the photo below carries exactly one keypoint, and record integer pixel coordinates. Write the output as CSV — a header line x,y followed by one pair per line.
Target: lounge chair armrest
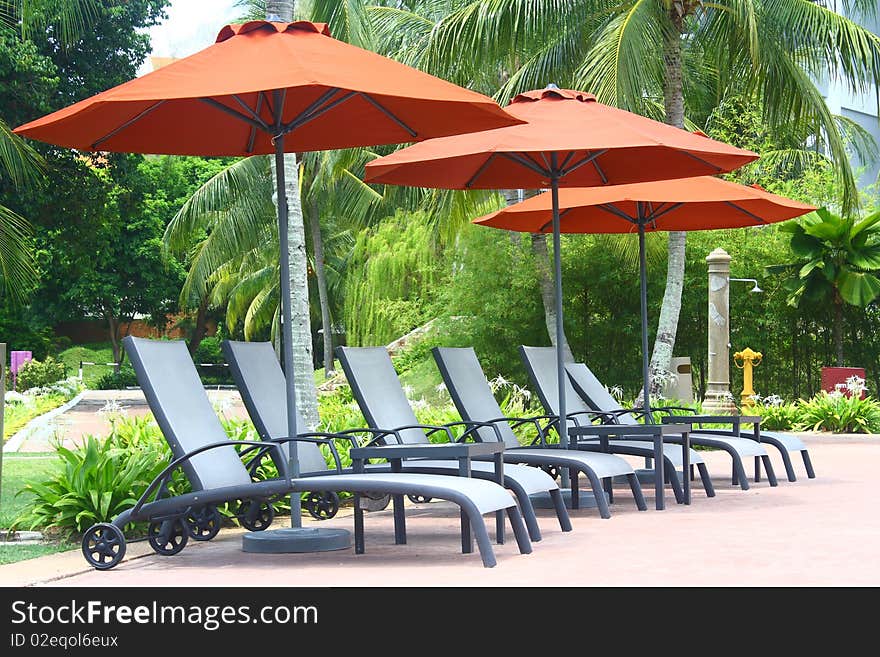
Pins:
x,y
378,434
319,438
473,426
176,463
430,429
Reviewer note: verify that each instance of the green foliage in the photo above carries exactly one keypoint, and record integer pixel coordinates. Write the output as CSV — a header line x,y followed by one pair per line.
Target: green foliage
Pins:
x,y
37,374
17,415
92,484
393,277
840,413
117,380
777,417
492,301
208,352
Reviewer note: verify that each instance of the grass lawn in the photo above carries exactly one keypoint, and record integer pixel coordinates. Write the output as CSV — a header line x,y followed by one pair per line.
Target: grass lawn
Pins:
x,y
99,352
15,416
19,469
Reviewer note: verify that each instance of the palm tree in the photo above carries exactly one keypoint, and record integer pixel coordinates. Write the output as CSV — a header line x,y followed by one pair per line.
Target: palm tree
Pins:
x,y
660,58
838,263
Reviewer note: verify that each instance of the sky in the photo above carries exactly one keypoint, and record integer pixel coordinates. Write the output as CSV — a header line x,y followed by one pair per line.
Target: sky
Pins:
x,y
191,25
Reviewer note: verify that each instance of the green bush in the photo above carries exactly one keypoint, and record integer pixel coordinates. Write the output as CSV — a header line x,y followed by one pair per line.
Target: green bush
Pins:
x,y
777,417
93,484
839,413
209,351
117,381
39,374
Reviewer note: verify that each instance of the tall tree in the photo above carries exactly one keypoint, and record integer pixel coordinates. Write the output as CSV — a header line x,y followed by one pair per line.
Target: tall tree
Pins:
x,y
654,57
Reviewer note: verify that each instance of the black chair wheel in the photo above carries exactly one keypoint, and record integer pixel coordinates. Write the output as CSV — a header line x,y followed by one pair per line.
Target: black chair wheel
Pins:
x,y
103,546
167,537
321,505
256,515
419,499
203,523
374,501
551,470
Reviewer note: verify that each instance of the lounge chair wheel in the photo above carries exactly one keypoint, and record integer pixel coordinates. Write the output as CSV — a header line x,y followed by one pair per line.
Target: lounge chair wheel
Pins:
x,y
203,523
375,501
419,499
168,537
551,470
103,546
322,505
256,515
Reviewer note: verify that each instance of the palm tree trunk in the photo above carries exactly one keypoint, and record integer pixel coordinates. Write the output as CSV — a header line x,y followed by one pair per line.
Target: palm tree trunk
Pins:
x,y
545,277
548,294
306,393
201,327
321,276
838,328
667,324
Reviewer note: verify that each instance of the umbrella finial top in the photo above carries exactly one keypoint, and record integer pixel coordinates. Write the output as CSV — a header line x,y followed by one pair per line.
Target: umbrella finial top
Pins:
x,y
274,24
553,92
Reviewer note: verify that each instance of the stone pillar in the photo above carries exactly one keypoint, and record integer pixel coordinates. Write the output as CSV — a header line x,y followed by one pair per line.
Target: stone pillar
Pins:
x,y
718,398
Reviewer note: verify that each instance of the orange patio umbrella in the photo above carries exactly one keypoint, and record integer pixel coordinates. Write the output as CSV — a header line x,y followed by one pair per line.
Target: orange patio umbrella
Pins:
x,y
271,87
569,140
701,203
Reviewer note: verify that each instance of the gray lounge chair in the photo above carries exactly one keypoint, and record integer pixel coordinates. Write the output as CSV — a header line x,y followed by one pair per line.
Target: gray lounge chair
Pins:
x,y
472,396
260,381
595,394
541,365
381,398
217,474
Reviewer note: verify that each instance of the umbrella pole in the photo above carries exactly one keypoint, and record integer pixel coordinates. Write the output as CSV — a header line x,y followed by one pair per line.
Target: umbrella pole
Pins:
x,y
643,280
296,538
560,327
287,329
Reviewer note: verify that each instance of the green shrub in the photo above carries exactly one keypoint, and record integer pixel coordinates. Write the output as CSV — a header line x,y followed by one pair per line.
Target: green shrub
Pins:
x,y
839,413
777,416
117,381
93,484
39,374
209,351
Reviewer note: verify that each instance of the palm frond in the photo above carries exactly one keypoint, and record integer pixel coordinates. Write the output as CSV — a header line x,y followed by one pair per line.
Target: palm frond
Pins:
x,y
17,272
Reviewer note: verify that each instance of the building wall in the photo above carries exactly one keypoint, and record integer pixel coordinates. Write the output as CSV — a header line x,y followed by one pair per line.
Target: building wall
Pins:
x,y
861,108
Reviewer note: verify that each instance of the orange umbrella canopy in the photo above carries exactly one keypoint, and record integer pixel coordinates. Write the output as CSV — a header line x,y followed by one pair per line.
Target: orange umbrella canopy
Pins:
x,y
585,142
225,100
701,203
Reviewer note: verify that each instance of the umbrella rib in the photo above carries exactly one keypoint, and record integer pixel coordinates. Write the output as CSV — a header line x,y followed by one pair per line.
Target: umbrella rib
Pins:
x,y
589,158
480,171
568,158
375,103
659,213
254,115
253,132
526,162
323,98
613,209
600,172
549,224
228,110
746,212
304,118
122,127
702,161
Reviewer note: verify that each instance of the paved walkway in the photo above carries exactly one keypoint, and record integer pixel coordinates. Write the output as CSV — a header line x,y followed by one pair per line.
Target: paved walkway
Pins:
x,y
92,414
823,532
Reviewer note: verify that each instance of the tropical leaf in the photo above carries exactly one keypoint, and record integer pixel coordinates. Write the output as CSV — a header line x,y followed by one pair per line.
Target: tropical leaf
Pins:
x,y
858,288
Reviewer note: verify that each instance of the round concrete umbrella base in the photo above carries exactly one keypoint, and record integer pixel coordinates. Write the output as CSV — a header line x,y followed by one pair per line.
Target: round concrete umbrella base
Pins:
x,y
542,500
296,539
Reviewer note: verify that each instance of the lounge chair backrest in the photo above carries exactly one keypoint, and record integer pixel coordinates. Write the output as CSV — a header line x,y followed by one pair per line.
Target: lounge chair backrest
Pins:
x,y
261,382
470,391
171,385
593,392
540,363
378,391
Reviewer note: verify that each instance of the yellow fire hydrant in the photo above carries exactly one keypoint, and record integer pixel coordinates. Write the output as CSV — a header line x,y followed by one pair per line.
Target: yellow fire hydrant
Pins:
x,y
747,360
